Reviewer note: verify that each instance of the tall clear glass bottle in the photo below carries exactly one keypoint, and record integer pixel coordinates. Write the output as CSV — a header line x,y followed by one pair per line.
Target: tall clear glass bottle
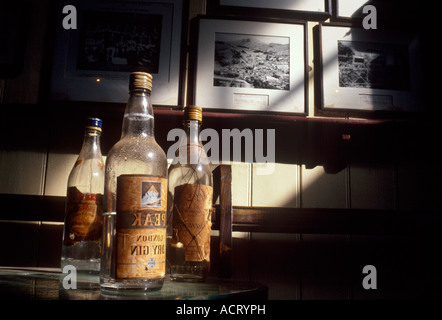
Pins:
x,y
84,205
135,199
190,205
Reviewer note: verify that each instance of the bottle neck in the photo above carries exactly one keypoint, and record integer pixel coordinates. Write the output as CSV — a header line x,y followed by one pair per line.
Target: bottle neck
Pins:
x,y
91,144
192,128
138,116
191,151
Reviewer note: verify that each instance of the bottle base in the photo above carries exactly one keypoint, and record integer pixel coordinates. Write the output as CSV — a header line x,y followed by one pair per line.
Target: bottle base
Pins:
x,y
91,266
186,278
133,285
189,272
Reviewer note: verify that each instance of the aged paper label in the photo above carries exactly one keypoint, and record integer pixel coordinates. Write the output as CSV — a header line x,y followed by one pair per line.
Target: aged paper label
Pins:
x,y
192,220
250,100
83,216
376,100
141,226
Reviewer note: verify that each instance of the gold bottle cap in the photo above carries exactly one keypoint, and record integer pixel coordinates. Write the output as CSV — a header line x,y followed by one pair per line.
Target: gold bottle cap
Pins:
x,y
193,113
140,80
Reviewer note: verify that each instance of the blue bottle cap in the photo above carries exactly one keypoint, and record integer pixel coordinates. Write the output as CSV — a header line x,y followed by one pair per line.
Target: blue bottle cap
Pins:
x,y
94,123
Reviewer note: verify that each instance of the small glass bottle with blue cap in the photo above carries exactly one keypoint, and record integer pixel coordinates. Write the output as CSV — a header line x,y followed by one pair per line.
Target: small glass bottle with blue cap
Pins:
x,y
84,205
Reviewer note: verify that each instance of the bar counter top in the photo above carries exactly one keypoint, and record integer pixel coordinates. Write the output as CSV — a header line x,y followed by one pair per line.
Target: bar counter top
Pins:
x,y
47,284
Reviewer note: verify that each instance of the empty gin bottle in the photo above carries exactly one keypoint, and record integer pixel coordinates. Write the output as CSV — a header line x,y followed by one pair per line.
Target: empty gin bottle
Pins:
x,y
135,199
84,205
190,205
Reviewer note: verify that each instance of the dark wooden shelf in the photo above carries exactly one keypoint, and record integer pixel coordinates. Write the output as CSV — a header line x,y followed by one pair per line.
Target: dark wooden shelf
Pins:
x,y
336,221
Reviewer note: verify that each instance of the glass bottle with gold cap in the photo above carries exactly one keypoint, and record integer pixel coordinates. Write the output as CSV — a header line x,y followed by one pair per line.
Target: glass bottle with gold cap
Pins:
x,y
135,199
190,205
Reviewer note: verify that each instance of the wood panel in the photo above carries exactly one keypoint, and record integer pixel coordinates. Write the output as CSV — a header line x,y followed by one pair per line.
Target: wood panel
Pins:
x,y
259,219
335,221
223,177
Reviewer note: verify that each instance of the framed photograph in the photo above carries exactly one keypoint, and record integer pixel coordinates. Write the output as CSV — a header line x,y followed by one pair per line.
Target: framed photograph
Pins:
x,y
276,8
352,11
368,69
113,39
349,9
250,66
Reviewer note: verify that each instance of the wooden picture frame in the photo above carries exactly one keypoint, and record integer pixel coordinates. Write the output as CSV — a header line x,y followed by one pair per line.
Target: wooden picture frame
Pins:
x,y
115,38
250,65
317,10
367,70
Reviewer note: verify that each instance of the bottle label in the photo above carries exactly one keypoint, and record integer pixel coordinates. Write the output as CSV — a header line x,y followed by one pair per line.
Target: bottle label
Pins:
x,y
141,226
83,216
192,220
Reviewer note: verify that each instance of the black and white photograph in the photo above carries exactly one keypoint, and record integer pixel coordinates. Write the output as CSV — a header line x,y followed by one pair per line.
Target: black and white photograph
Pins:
x,y
251,66
373,65
370,71
113,41
252,61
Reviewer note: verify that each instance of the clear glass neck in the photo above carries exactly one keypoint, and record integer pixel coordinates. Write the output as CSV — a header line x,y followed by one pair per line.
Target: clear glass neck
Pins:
x,y
91,144
138,116
191,151
192,128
